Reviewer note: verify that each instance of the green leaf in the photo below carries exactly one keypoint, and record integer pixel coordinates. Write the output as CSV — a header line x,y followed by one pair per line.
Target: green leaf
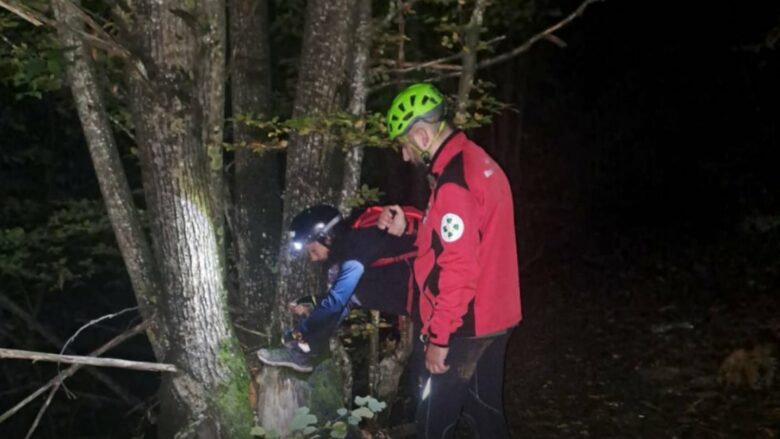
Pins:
x,y
339,430
302,419
257,431
342,411
353,420
376,406
363,412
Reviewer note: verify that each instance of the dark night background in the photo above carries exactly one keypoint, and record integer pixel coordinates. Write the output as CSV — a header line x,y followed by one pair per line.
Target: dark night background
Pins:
x,y
644,162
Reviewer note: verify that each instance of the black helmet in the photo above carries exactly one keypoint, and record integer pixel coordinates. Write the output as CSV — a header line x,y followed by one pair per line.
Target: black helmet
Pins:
x,y
313,224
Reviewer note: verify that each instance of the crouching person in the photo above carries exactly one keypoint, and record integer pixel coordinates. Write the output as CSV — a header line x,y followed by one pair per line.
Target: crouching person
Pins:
x,y
369,268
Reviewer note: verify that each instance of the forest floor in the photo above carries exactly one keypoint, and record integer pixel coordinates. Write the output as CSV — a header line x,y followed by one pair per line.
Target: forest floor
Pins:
x,y
614,348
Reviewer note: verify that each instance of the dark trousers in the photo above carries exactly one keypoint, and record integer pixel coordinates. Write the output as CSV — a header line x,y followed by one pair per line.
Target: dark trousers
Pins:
x,y
472,390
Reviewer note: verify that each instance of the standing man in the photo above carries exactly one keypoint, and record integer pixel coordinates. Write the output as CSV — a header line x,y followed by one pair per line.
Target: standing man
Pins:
x,y
466,269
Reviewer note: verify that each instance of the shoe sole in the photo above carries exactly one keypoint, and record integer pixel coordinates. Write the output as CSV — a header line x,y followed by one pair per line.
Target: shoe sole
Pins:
x,y
291,365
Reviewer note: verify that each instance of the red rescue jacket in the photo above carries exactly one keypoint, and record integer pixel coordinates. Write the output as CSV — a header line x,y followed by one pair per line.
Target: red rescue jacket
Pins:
x,y
466,268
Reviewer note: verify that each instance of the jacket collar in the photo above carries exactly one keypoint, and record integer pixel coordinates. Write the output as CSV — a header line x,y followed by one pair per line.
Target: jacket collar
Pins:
x,y
451,146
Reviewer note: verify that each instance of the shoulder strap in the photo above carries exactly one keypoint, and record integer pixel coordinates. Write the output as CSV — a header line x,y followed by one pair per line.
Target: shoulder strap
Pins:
x,y
370,217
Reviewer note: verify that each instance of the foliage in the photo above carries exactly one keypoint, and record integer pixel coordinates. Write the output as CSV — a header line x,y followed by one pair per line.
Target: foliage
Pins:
x,y
481,107
358,325
365,195
773,37
306,425
30,59
347,131
72,245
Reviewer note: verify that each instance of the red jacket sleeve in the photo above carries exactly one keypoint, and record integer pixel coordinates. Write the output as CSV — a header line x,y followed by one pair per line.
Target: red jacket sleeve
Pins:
x,y
456,225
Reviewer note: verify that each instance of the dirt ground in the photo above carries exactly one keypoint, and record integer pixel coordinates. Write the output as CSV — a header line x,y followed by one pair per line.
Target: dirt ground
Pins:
x,y
622,352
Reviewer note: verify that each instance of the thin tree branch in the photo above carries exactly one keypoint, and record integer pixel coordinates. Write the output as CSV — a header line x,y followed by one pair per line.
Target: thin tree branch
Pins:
x,y
87,325
393,11
437,63
119,339
409,66
543,35
92,322
251,331
106,43
24,13
16,354
373,354
13,308
42,410
401,34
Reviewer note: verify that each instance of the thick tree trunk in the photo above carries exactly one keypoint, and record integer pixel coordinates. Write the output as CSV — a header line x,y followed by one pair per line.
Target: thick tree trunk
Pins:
x,y
358,93
313,175
258,207
114,187
209,396
210,73
314,169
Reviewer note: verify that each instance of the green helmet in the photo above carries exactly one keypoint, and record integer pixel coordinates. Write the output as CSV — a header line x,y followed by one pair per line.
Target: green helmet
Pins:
x,y
410,106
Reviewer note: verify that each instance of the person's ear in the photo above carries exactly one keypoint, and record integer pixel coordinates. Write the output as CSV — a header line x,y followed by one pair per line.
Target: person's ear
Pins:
x,y
420,136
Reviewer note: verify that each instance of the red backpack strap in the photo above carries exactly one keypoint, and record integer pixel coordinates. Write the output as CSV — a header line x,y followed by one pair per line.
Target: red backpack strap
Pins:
x,y
370,217
393,259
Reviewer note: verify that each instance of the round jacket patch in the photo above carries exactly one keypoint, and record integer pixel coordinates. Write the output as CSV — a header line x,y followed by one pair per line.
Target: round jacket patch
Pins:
x,y
451,227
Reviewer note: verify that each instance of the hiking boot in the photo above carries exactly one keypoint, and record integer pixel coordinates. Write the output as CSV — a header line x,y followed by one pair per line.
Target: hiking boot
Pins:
x,y
291,357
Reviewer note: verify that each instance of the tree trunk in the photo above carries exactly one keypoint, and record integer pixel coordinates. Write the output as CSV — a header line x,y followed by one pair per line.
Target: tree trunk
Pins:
x,y
114,187
470,46
170,107
258,208
313,175
210,73
314,168
358,89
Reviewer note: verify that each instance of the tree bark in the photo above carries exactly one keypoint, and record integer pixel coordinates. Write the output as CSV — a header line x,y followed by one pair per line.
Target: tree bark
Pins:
x,y
258,207
170,108
210,75
313,175
114,187
469,62
314,169
358,89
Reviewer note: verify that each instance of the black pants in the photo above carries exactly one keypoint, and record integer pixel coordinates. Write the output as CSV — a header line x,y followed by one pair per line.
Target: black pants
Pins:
x,y
472,389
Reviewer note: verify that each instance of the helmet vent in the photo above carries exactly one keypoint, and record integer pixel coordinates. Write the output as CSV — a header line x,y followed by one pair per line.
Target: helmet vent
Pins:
x,y
425,100
401,107
412,99
408,116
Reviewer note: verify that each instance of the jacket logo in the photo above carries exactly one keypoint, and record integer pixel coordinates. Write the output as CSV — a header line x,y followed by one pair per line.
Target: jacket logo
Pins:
x,y
451,227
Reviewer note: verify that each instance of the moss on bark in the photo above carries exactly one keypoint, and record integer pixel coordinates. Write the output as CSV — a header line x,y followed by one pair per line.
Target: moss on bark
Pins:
x,y
232,397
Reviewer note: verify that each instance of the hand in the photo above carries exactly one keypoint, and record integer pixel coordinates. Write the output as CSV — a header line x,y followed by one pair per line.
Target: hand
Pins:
x,y
434,359
393,220
299,310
